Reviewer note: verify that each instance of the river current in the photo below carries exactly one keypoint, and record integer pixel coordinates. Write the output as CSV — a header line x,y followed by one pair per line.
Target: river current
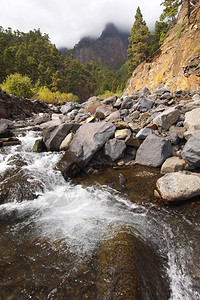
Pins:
x,y
48,241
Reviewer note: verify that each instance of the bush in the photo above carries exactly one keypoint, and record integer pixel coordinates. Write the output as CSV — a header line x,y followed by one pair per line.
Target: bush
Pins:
x,y
108,94
48,96
159,79
18,85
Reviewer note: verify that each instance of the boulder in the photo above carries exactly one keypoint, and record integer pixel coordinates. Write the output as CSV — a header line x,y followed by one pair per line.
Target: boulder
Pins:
x,y
143,133
88,139
154,151
162,91
173,164
91,106
110,100
114,149
113,116
127,103
167,118
192,122
144,104
53,136
4,130
191,150
167,96
122,134
69,106
178,186
65,143
39,146
102,112
42,118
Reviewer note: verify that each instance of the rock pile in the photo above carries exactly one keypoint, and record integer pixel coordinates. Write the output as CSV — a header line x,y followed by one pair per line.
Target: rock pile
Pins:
x,y
158,129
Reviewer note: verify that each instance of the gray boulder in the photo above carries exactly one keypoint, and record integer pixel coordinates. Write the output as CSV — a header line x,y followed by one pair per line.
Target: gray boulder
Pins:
x,y
54,135
191,150
43,118
114,149
192,122
102,112
110,100
144,104
167,118
4,130
88,139
162,91
154,151
69,106
143,133
127,103
178,186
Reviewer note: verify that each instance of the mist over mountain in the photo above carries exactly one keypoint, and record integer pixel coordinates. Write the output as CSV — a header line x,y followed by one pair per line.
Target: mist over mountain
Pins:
x,y
110,49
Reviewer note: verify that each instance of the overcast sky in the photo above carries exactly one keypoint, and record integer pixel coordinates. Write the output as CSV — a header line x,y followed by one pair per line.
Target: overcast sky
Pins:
x,y
67,21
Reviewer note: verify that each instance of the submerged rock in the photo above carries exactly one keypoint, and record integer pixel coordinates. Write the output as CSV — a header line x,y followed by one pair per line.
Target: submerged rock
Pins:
x,y
178,186
127,268
16,185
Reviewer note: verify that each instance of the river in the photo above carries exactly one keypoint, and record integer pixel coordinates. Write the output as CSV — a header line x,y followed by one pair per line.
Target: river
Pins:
x,y
49,244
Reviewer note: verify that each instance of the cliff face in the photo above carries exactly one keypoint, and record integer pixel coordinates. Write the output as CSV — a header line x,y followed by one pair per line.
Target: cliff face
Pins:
x,y
110,49
176,65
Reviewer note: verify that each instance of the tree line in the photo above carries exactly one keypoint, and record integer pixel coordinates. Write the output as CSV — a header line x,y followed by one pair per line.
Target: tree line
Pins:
x,y
33,56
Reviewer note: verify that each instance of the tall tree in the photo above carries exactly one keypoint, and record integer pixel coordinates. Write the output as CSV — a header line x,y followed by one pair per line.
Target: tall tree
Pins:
x,y
171,10
138,49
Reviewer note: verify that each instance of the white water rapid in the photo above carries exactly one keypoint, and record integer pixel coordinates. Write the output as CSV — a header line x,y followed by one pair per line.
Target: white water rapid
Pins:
x,y
80,218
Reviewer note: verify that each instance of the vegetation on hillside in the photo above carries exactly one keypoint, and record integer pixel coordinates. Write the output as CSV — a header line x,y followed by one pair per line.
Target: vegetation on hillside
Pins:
x,y
30,65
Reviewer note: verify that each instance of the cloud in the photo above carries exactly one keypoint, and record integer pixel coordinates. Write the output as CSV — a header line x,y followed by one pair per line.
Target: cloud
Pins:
x,y
66,21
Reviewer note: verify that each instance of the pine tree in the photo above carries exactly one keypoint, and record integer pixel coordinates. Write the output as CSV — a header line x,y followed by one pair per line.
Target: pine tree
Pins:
x,y
171,10
138,49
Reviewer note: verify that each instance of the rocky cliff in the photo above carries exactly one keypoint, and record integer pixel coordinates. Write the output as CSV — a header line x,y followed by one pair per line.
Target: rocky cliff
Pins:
x,y
110,49
176,65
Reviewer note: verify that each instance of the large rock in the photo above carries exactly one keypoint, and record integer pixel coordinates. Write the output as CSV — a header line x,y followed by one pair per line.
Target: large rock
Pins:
x,y
173,164
102,112
4,130
167,118
114,149
144,104
122,133
88,139
191,150
178,186
143,133
192,122
154,151
54,135
69,106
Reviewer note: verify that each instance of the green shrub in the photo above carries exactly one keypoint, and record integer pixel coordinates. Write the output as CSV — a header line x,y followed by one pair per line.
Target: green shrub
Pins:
x,y
18,85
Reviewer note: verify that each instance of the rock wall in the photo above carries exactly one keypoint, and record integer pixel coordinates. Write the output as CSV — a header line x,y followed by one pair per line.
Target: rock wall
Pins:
x,y
176,65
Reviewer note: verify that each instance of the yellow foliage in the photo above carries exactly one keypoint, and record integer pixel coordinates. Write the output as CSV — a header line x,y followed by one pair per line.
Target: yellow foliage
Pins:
x,y
48,96
108,94
159,79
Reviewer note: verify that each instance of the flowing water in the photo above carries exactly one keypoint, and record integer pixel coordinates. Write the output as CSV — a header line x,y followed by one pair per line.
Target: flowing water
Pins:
x,y
49,244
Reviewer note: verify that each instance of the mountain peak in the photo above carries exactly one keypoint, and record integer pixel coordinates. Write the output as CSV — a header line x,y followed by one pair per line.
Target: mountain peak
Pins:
x,y
110,30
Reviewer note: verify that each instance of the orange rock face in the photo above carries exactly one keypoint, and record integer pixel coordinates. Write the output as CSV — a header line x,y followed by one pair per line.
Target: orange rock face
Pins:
x,y
176,65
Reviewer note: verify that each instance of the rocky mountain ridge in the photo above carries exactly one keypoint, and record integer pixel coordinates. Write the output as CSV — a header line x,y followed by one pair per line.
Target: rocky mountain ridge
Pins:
x,y
110,49
176,65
